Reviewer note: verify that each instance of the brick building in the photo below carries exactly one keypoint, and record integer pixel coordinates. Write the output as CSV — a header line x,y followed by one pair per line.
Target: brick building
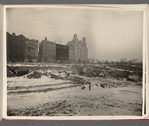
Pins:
x,y
15,47
77,49
47,51
62,52
19,48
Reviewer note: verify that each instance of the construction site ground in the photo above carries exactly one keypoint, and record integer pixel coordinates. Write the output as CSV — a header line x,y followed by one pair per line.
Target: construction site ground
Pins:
x,y
45,91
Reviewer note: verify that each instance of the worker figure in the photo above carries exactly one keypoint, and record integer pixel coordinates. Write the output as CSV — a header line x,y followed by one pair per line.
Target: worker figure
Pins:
x,y
89,86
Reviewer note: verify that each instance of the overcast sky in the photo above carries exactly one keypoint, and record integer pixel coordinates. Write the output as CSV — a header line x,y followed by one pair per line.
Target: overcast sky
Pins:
x,y
110,34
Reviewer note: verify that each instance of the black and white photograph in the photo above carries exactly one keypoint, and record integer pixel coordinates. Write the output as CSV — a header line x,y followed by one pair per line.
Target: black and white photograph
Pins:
x,y
70,60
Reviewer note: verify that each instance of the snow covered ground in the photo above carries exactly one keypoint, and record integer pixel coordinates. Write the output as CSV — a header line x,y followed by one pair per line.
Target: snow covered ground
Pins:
x,y
46,96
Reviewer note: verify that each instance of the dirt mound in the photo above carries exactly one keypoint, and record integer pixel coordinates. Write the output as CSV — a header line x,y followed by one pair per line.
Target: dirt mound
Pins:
x,y
85,70
79,80
127,67
34,75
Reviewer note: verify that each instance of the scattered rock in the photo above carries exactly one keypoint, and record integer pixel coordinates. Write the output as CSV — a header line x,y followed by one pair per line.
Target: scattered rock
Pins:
x,y
83,87
97,85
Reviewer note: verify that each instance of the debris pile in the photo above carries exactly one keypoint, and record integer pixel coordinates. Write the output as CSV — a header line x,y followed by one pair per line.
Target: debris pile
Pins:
x,y
15,73
23,72
79,80
95,71
34,75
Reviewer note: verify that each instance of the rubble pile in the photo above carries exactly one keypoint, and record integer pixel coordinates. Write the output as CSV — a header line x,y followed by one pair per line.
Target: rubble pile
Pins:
x,y
34,75
119,84
75,79
95,71
10,74
79,80
127,67
21,73
115,73
14,71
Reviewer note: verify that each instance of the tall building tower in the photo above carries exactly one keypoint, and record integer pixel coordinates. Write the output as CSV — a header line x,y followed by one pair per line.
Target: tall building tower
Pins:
x,y
77,49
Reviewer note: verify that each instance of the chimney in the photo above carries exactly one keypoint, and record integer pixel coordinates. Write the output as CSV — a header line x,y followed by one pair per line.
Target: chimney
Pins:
x,y
45,38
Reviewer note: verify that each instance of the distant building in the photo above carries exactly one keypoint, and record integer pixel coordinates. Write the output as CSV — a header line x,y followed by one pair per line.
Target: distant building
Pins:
x,y
15,47
78,50
47,51
31,50
20,48
62,52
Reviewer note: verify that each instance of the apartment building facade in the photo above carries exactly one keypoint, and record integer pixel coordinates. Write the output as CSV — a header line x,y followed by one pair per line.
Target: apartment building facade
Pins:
x,y
20,48
47,51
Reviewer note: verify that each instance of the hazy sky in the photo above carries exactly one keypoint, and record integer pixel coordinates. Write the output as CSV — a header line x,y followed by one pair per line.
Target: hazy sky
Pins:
x,y
110,34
